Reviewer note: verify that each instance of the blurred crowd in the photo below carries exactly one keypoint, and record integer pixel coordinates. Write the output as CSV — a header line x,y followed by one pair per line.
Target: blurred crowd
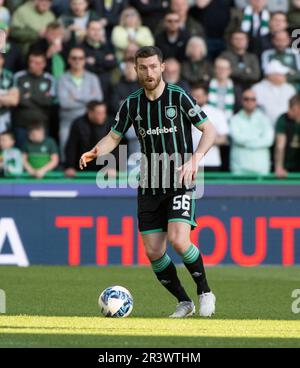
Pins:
x,y
67,65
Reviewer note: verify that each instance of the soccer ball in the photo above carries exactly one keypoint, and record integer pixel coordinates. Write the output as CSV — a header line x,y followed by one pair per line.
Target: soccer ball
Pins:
x,y
115,301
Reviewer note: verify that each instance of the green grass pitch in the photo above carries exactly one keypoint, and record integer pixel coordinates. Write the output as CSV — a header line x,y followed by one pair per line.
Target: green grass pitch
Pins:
x,y
57,307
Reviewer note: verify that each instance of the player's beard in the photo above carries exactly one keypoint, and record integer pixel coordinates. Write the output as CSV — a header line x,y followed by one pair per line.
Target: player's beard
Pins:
x,y
150,84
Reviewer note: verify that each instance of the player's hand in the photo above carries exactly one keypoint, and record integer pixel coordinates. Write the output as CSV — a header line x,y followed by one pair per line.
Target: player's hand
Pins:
x,y
188,172
88,157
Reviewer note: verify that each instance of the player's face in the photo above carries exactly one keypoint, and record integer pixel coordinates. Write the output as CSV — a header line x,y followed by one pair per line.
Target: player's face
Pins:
x,y
149,71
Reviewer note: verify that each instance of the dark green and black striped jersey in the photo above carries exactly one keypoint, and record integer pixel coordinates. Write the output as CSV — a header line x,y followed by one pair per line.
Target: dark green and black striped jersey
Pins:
x,y
163,127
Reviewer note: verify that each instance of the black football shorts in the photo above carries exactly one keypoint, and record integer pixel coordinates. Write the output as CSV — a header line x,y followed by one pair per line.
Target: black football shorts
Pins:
x,y
156,211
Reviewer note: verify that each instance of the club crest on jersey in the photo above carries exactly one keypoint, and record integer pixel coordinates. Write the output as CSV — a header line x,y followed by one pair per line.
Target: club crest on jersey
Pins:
x,y
171,112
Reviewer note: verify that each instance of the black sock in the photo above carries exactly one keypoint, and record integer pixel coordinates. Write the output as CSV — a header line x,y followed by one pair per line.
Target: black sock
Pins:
x,y
169,279
194,263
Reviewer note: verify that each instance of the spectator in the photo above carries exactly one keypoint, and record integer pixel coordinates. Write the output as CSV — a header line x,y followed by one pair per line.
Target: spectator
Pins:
x,y
196,69
212,160
10,157
152,11
76,88
172,40
214,15
130,51
172,74
109,12
85,133
12,5
287,149
100,57
255,23
60,7
286,55
40,153
278,23
127,85
52,46
130,30
14,59
294,14
187,22
9,96
252,135
4,15
245,66
29,22
76,21
222,92
273,92
37,93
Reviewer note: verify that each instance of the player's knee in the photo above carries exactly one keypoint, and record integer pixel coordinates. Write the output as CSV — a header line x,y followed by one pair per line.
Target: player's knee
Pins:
x,y
154,254
177,240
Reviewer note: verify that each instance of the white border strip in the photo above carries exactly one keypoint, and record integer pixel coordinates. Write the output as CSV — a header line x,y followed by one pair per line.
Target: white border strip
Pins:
x,y
53,193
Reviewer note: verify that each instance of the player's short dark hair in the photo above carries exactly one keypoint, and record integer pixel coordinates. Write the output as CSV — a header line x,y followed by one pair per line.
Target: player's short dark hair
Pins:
x,y
36,125
148,51
295,100
94,103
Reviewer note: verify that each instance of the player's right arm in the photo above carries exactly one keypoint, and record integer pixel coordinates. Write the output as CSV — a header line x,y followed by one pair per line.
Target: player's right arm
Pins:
x,y
103,147
112,139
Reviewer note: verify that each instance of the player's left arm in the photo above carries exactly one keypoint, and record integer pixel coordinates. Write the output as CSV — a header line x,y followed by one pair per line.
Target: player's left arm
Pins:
x,y
188,171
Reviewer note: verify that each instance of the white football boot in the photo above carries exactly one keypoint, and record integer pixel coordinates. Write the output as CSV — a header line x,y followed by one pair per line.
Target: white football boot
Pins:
x,y
207,304
184,309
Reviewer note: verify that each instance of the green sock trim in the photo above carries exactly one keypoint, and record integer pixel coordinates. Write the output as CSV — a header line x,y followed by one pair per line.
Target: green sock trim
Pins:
x,y
161,264
191,255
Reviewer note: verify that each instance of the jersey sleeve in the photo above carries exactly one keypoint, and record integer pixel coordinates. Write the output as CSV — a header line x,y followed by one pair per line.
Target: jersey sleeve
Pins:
x,y
122,120
192,110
